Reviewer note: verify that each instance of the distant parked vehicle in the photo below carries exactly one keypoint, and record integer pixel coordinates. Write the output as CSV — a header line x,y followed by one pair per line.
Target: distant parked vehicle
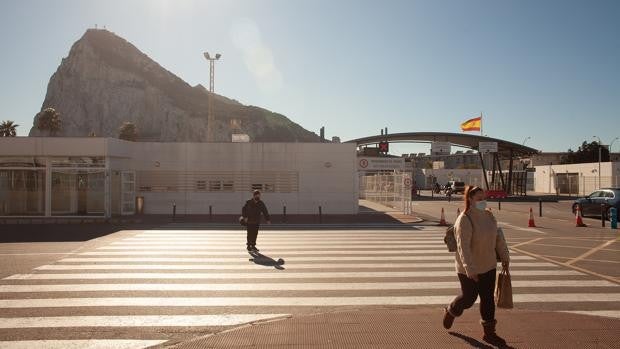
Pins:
x,y
591,204
454,187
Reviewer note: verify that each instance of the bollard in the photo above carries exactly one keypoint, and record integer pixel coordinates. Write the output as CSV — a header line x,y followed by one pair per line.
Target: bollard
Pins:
x,y
210,213
539,207
174,210
613,212
603,215
284,214
499,204
320,214
449,197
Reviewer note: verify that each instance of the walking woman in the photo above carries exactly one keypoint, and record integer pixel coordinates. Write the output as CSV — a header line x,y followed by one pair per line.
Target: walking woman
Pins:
x,y
478,246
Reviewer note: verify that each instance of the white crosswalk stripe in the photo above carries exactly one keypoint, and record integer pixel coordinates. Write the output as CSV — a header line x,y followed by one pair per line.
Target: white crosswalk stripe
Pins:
x,y
168,279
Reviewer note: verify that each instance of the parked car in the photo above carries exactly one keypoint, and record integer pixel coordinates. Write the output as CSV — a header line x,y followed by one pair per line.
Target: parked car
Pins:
x,y
455,187
591,204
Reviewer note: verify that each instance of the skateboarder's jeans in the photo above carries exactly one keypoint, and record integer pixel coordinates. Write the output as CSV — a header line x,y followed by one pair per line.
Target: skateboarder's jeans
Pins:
x,y
470,290
252,234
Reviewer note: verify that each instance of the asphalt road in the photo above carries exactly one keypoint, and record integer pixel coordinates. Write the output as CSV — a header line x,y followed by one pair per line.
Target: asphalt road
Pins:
x,y
135,289
593,249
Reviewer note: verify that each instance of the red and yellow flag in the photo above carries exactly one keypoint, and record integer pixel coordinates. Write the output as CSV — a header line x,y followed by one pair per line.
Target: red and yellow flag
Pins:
x,y
472,124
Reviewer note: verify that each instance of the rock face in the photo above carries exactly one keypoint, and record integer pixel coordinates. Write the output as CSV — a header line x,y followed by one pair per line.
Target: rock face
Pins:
x,y
106,81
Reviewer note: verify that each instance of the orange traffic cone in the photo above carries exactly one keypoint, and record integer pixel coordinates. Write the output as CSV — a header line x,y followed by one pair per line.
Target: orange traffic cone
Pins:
x,y
578,219
531,223
442,221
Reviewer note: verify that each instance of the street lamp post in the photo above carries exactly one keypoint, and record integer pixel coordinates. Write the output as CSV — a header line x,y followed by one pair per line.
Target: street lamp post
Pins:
x,y
599,161
210,116
525,140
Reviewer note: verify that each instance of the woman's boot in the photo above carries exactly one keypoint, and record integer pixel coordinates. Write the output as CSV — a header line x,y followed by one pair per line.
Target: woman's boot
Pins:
x,y
448,319
489,334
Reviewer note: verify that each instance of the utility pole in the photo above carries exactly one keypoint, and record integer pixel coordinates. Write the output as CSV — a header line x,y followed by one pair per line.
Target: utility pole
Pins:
x,y
599,161
210,116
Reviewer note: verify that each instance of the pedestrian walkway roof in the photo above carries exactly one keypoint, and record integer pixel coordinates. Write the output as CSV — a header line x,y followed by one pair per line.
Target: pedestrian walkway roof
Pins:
x,y
505,148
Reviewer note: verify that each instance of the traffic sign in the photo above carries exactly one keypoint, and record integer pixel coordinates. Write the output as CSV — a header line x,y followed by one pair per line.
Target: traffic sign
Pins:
x,y
384,147
487,147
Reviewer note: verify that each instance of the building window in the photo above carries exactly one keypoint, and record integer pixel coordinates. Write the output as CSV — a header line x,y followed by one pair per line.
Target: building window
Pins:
x,y
22,192
228,186
215,185
201,185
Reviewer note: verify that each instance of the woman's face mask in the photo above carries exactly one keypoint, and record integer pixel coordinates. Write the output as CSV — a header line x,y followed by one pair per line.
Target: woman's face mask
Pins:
x,y
481,205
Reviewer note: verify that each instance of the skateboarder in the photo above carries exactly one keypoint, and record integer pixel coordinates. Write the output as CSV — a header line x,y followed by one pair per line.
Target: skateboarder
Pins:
x,y
251,213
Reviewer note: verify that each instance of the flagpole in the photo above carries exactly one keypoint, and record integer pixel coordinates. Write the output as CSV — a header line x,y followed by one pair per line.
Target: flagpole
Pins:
x,y
481,124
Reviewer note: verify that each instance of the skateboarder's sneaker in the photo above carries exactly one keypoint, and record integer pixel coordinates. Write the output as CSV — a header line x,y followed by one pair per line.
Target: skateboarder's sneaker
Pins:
x,y
254,248
250,248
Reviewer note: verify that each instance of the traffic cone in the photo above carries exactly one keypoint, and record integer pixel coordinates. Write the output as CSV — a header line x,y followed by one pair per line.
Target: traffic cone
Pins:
x,y
531,223
442,221
578,219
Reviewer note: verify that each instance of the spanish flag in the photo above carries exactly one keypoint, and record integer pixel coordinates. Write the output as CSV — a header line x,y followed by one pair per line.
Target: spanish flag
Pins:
x,y
472,124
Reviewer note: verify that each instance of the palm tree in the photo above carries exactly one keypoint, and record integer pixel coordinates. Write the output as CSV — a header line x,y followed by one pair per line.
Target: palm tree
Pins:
x,y
49,120
8,129
128,131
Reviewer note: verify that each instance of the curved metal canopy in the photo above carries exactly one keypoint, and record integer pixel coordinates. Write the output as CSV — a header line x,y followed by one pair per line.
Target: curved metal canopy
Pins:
x,y
457,139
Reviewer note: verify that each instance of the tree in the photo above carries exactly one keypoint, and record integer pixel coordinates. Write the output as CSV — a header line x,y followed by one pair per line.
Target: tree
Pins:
x,y
8,129
49,120
128,131
587,152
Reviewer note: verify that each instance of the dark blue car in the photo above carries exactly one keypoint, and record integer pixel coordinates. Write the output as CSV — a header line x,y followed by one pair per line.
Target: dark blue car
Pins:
x,y
591,204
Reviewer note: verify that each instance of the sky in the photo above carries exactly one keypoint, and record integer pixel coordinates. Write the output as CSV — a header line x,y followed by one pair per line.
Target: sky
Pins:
x,y
548,70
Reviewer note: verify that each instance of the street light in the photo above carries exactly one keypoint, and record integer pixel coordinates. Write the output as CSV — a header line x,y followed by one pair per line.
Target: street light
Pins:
x,y
525,140
210,116
599,160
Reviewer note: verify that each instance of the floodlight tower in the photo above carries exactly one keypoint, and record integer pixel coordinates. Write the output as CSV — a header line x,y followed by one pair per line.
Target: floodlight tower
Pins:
x,y
210,116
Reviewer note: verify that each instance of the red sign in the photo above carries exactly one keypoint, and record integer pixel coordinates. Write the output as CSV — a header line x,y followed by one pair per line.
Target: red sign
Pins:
x,y
384,147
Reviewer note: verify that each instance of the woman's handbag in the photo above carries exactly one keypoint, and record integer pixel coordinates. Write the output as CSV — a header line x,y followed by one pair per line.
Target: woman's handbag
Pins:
x,y
503,290
450,240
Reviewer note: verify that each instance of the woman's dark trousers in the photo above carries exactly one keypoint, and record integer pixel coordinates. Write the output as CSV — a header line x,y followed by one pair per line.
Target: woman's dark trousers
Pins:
x,y
470,290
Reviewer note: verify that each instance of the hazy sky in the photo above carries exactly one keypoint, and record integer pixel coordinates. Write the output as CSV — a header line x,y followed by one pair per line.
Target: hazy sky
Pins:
x,y
546,69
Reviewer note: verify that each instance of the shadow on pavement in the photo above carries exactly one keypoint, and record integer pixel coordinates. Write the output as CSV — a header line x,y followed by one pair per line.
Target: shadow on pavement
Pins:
x,y
55,232
476,343
261,259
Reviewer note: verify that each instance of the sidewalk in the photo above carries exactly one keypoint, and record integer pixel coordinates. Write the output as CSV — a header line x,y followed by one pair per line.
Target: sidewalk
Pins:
x,y
418,328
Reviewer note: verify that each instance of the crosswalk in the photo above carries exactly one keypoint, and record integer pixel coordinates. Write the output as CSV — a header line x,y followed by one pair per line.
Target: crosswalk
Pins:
x,y
159,285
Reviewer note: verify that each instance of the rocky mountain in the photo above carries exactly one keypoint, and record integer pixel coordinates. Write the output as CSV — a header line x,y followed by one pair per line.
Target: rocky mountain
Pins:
x,y
106,81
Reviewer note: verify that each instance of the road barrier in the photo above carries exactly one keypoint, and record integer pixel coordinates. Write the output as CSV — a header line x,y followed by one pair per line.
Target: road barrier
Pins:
x,y
531,222
539,207
579,220
442,221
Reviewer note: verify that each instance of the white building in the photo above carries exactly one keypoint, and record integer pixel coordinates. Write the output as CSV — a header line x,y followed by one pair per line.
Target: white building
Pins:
x,y
103,176
576,179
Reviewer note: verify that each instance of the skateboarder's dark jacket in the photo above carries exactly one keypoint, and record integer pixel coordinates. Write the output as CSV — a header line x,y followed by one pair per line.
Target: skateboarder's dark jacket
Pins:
x,y
252,210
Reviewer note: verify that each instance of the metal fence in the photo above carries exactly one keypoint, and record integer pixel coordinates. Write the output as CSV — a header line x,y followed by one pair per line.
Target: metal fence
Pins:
x,y
392,190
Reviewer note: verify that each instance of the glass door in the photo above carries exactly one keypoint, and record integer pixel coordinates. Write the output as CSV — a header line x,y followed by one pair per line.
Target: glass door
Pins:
x,y
128,193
